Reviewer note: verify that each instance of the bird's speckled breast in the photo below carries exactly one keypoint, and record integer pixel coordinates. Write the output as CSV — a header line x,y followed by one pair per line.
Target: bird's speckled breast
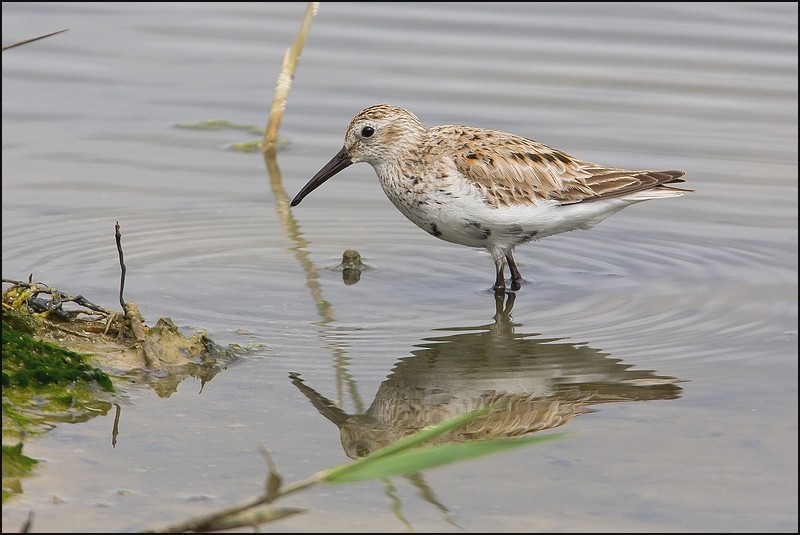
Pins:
x,y
442,203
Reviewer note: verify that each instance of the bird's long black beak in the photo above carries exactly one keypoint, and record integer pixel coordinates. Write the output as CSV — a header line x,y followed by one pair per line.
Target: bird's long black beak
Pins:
x,y
337,163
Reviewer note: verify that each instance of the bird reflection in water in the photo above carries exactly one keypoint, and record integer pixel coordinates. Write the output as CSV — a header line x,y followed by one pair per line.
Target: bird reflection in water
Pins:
x,y
542,383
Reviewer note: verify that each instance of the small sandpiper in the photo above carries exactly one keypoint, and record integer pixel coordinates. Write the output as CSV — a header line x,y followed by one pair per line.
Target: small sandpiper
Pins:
x,y
486,188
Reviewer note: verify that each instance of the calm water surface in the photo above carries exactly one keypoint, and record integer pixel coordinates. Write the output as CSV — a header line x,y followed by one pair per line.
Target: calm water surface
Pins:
x,y
665,338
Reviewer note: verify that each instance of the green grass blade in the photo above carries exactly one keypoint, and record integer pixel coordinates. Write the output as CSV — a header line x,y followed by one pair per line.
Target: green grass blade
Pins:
x,y
419,459
404,457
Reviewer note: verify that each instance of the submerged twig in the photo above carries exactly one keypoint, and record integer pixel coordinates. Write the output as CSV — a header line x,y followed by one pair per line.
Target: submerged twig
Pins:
x,y
285,78
289,224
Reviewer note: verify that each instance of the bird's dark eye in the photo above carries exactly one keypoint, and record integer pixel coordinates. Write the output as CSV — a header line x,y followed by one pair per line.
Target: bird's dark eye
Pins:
x,y
367,131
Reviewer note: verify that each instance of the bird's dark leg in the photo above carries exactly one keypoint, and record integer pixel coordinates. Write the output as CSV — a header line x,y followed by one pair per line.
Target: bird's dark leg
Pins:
x,y
516,276
500,283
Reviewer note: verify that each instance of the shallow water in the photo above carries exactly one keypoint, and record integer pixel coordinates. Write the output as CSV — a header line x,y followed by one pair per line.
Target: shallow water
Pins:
x,y
676,320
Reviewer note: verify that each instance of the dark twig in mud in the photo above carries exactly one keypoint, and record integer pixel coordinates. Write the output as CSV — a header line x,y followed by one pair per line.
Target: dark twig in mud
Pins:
x,y
118,237
133,318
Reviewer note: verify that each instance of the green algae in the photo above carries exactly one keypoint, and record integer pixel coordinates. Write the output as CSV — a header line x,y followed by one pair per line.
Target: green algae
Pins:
x,y
35,364
43,384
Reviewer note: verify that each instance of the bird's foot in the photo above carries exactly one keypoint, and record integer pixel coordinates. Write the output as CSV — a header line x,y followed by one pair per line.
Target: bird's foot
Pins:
x,y
500,289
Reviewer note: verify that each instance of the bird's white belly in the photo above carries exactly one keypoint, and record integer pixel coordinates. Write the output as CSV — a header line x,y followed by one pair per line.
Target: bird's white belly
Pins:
x,y
468,221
